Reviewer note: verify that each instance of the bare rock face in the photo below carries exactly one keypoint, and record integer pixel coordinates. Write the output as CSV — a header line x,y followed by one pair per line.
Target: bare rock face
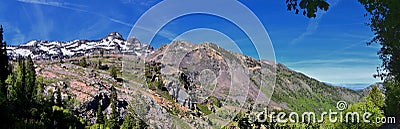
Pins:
x,y
194,72
89,108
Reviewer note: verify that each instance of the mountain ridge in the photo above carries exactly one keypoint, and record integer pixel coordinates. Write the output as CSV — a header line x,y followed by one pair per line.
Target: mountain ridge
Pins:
x,y
119,48
113,43
163,81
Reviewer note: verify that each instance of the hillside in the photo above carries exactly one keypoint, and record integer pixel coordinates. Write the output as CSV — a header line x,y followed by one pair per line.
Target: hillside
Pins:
x,y
255,79
179,84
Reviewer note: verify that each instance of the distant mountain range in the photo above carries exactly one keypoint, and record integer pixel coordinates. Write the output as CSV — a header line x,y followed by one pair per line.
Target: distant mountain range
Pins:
x,y
45,50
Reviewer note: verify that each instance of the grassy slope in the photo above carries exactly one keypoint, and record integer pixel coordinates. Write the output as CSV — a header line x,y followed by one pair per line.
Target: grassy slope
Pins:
x,y
302,93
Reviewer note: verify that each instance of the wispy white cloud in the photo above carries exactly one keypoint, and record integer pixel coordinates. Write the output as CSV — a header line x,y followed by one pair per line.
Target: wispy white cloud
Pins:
x,y
92,30
357,36
343,49
352,45
374,46
140,5
146,32
40,26
341,75
55,4
139,2
167,34
18,37
118,21
44,25
74,7
311,28
313,24
316,62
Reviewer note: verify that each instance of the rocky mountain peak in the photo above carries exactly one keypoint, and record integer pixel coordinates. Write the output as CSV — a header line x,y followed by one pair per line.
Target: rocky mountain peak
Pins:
x,y
113,43
133,41
114,35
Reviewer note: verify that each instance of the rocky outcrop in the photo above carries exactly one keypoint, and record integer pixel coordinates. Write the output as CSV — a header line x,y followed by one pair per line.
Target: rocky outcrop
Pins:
x,y
194,72
88,109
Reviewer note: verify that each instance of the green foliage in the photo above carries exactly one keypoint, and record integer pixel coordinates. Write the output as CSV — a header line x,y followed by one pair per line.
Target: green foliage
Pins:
x,y
38,93
309,7
21,102
203,108
30,78
65,119
392,98
375,96
20,79
11,91
59,101
242,120
372,103
99,114
385,23
153,78
101,52
155,82
359,123
316,96
4,66
215,101
99,64
26,108
113,122
97,126
113,72
83,62
132,121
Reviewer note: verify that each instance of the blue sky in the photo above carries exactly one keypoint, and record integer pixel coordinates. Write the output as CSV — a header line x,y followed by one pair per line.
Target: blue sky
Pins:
x,y
331,47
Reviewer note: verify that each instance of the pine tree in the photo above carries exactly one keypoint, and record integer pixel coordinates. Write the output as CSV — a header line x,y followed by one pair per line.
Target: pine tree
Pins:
x,y
113,122
132,121
59,98
30,78
99,64
61,60
3,63
38,91
99,114
20,81
375,96
51,97
101,52
83,62
11,92
113,72
392,97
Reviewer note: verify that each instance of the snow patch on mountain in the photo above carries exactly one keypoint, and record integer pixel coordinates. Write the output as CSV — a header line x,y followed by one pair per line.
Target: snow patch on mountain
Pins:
x,y
112,43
